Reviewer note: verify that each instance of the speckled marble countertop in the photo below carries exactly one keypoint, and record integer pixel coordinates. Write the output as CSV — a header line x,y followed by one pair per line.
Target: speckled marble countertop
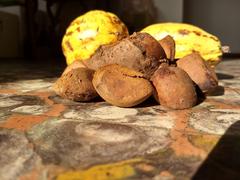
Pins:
x,y
45,137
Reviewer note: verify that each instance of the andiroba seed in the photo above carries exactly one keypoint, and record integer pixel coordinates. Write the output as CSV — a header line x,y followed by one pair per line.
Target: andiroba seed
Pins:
x,y
174,88
76,85
199,71
121,86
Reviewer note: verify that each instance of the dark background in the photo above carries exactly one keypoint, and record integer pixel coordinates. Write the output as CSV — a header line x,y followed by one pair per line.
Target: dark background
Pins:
x,y
32,30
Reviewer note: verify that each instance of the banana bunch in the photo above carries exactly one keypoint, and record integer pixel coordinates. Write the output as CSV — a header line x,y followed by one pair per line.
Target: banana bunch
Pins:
x,y
188,39
89,31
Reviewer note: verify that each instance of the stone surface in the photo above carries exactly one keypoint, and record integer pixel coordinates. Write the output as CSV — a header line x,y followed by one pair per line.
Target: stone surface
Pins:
x,y
31,109
17,157
43,136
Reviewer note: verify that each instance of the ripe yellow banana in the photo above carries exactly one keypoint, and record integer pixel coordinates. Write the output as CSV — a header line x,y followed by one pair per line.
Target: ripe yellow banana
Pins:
x,y
89,31
188,38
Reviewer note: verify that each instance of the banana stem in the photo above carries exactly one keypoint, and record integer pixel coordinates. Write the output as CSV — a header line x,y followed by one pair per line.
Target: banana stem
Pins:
x,y
226,49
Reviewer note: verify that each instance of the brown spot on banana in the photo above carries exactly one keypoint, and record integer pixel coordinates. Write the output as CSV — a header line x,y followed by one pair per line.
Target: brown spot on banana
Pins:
x,y
68,44
69,33
184,31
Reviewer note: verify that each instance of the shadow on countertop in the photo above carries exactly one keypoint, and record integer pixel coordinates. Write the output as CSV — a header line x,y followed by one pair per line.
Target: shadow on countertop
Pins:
x,y
224,76
223,162
12,70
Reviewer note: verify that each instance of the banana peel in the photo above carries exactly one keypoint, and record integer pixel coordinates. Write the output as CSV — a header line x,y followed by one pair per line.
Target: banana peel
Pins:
x,y
89,31
188,39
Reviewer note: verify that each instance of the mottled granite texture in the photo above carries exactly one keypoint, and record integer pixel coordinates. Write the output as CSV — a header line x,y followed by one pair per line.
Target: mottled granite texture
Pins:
x,y
45,137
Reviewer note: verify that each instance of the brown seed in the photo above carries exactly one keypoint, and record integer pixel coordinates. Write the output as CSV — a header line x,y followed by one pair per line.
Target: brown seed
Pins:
x,y
76,64
139,51
121,86
76,85
174,88
168,44
199,71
